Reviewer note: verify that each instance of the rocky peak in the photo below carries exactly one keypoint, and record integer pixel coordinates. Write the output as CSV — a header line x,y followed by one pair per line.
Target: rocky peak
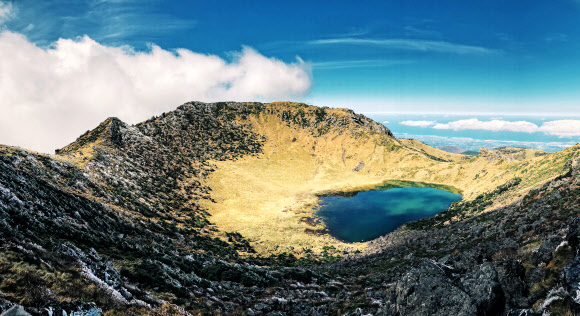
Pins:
x,y
109,132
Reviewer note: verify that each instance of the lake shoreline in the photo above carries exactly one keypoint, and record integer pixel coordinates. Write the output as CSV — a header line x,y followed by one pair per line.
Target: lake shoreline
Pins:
x,y
361,216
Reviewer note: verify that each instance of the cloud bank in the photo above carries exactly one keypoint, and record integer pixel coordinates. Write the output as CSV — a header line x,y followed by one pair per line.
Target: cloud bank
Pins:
x,y
418,123
561,128
49,96
493,125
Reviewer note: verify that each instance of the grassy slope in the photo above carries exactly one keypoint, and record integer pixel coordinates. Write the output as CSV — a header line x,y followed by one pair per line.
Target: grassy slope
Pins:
x,y
265,197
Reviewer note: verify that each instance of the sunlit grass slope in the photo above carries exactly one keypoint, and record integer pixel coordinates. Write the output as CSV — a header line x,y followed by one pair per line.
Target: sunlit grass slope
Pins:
x,y
265,197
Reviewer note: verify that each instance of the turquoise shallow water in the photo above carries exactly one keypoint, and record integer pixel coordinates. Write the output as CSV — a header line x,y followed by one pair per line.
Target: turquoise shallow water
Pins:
x,y
371,214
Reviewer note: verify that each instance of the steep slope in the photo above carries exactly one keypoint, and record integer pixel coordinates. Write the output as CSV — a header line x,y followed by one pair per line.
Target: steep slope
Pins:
x,y
297,151
118,221
270,198
58,245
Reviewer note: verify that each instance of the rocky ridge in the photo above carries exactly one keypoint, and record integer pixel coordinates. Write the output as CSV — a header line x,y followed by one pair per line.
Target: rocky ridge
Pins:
x,y
113,225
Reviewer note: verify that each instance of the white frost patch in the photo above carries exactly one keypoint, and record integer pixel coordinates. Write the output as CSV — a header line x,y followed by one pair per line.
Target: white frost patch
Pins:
x,y
439,265
562,244
87,273
9,196
333,283
360,312
576,297
554,295
376,302
550,301
4,191
525,312
91,312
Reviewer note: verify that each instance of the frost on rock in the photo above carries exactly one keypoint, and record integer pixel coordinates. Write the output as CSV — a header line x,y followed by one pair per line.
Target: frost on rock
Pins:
x,y
561,245
102,274
555,294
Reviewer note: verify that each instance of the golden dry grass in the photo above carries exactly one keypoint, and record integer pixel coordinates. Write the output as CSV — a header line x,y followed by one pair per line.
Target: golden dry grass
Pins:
x,y
264,198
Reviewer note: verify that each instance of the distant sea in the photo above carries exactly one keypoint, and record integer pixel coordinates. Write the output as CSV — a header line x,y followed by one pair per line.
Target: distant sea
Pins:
x,y
473,139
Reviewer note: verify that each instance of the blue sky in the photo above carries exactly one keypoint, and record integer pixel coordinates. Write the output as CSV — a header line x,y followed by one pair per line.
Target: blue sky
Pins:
x,y
79,61
371,56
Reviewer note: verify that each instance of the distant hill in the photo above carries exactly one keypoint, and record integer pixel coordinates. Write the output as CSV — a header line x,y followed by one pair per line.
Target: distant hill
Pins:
x,y
512,153
452,149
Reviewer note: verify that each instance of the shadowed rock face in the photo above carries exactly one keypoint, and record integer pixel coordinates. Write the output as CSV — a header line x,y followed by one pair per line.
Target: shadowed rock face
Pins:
x,y
124,233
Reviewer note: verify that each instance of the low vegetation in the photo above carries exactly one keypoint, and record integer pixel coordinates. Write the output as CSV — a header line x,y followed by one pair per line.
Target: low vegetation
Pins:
x,y
201,211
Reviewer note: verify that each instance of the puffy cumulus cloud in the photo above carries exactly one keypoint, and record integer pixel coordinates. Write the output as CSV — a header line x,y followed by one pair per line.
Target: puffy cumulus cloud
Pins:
x,y
493,125
418,123
51,95
562,128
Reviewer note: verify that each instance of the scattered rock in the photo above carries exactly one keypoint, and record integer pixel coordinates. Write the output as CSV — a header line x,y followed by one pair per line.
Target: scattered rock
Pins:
x,y
483,287
359,166
573,235
511,275
427,290
544,253
534,276
572,276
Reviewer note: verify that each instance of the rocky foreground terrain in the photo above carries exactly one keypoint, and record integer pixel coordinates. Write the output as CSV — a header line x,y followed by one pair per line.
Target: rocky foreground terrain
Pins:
x,y
114,224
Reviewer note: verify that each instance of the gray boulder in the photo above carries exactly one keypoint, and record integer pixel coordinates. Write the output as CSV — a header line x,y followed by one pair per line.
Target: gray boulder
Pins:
x,y
483,287
511,275
534,276
572,276
573,235
428,290
546,250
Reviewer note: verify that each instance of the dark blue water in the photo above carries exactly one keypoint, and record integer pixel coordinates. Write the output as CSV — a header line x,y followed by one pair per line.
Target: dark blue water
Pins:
x,y
371,214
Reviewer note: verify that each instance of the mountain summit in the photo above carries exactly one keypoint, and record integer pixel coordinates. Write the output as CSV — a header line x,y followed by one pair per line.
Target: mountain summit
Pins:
x,y
211,209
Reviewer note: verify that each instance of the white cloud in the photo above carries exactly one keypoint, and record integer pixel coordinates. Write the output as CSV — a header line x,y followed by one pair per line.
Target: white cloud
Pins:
x,y
365,63
49,96
411,44
7,12
418,123
386,122
562,128
493,125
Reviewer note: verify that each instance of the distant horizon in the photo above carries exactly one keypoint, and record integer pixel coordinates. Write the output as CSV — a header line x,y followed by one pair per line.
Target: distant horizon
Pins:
x,y
471,132
577,114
